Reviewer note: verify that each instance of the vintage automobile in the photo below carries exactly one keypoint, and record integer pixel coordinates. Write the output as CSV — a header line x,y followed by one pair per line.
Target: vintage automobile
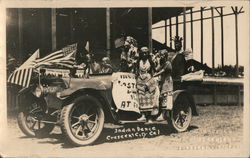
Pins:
x,y
81,107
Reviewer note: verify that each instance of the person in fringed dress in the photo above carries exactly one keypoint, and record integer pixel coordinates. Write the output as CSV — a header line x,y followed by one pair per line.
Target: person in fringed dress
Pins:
x,y
148,91
164,70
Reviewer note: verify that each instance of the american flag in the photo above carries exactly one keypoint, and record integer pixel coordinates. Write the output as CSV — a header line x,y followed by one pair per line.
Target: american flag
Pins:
x,y
57,58
64,57
22,75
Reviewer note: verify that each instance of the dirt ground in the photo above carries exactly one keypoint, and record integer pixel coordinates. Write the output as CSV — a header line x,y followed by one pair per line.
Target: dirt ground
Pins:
x,y
216,128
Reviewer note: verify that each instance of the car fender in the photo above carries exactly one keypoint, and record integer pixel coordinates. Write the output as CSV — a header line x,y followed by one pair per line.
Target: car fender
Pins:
x,y
26,98
25,90
101,95
184,93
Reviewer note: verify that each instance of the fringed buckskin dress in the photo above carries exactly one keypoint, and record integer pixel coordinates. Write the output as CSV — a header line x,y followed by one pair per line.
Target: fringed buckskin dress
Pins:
x,y
147,87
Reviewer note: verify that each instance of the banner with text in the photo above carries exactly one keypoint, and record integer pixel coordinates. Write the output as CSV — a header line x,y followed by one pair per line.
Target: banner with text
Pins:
x,y
124,91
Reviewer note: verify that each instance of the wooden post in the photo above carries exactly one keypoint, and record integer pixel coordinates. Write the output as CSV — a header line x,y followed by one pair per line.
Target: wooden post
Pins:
x,y
191,25
71,18
201,34
177,27
113,20
213,49
166,35
236,41
222,36
42,31
170,32
108,31
150,44
53,28
20,34
184,28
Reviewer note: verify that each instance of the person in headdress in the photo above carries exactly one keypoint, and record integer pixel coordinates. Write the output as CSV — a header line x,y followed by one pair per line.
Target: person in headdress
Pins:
x,y
178,59
129,55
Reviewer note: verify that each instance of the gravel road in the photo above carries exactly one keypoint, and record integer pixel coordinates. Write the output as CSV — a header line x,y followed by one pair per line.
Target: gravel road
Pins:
x,y
216,128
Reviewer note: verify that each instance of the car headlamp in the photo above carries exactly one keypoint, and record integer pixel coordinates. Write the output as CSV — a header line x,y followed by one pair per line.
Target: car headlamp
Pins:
x,y
38,91
58,94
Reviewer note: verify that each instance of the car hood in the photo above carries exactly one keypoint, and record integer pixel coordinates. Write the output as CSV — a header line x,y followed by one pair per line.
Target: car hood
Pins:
x,y
94,82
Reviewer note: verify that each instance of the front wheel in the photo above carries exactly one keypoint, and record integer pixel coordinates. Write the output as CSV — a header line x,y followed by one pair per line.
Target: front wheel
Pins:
x,y
180,117
30,122
82,121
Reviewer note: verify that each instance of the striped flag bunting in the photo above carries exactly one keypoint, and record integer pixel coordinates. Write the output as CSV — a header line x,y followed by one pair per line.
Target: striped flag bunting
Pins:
x,y
22,75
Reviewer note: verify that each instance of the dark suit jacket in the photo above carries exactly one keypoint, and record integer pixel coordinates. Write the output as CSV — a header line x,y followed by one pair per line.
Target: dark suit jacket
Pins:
x,y
178,66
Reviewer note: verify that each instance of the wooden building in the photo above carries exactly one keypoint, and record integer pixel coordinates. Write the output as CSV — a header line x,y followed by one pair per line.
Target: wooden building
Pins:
x,y
50,29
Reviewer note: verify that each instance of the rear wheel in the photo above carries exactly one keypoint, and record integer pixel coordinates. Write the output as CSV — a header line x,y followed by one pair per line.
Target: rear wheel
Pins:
x,y
180,116
82,121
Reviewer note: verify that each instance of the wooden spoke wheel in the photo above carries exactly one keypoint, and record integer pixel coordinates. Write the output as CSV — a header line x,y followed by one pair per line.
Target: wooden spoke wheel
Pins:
x,y
82,121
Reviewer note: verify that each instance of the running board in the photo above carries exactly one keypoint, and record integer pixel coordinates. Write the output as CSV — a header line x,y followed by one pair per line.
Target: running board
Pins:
x,y
136,121
50,122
